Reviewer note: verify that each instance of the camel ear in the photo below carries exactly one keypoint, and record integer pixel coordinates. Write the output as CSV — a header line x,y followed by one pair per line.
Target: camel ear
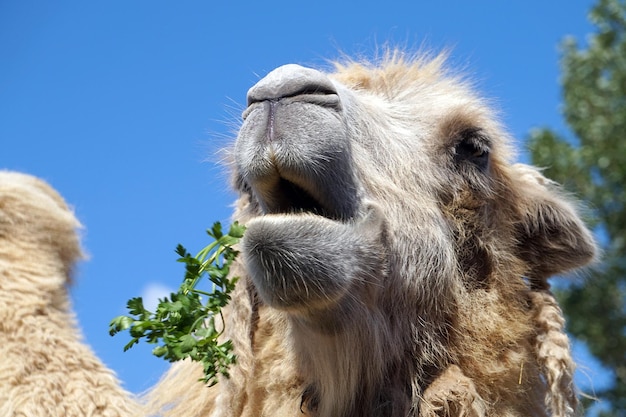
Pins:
x,y
552,237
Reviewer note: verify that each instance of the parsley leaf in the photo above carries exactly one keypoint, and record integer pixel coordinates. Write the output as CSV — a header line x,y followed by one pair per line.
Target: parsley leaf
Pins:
x,y
183,325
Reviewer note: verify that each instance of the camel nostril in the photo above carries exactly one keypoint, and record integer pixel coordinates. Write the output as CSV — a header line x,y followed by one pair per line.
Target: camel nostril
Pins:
x,y
291,81
313,89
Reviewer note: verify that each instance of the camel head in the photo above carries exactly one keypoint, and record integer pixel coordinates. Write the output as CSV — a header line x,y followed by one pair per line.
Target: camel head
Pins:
x,y
385,214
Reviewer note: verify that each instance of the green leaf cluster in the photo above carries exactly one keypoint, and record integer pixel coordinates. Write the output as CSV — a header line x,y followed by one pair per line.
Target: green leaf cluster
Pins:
x,y
593,166
184,324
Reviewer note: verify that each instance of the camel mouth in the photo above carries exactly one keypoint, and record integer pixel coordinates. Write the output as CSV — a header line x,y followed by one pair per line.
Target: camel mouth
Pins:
x,y
289,197
298,200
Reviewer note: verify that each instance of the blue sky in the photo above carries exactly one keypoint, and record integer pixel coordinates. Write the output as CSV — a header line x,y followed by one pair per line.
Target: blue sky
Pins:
x,y
122,105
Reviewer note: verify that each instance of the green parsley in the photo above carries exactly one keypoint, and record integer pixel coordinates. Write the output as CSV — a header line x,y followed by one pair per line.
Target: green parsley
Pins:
x,y
183,325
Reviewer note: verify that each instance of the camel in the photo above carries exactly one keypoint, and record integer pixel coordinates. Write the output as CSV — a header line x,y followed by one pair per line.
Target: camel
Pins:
x,y
395,262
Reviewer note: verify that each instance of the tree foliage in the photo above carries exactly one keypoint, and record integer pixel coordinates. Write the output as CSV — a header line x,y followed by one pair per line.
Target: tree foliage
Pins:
x,y
593,166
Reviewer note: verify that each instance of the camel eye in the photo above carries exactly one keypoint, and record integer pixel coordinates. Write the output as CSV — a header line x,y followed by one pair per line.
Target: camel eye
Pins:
x,y
474,149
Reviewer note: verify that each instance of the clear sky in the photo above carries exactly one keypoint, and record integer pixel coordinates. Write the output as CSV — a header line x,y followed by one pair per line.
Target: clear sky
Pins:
x,y
122,105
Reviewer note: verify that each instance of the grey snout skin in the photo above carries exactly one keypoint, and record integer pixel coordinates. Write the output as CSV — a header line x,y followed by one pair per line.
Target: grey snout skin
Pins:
x,y
293,150
318,241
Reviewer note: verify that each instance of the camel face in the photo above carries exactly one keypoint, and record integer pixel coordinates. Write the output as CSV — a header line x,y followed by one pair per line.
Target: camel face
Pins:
x,y
331,170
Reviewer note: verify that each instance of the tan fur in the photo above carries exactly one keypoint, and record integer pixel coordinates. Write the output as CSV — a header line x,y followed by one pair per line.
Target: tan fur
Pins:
x,y
45,367
454,394
442,307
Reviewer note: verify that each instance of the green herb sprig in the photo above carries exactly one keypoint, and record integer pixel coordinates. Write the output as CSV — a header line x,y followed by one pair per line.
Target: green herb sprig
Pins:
x,y
183,325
